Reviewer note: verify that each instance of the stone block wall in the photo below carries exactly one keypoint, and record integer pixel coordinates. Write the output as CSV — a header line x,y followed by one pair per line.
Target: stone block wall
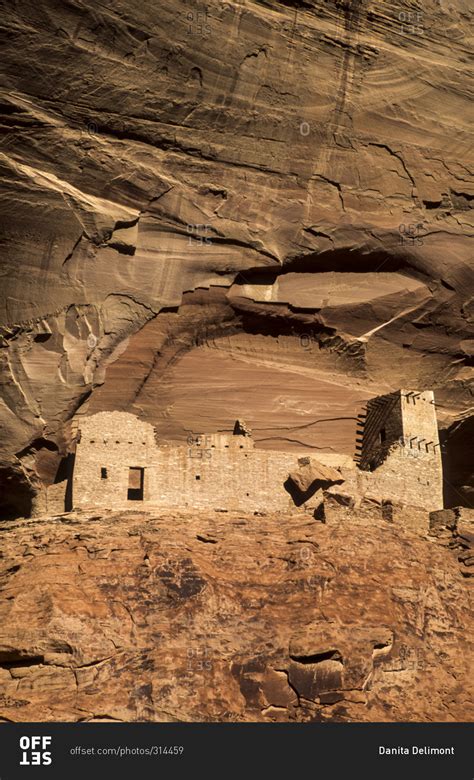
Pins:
x,y
419,419
221,441
383,417
219,471
116,442
407,477
406,467
251,480
225,471
185,477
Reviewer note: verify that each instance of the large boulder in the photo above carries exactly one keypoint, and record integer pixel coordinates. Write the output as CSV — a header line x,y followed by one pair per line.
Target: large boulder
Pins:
x,y
312,471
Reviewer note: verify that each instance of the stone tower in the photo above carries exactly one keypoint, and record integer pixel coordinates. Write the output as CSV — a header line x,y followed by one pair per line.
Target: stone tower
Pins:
x,y
400,447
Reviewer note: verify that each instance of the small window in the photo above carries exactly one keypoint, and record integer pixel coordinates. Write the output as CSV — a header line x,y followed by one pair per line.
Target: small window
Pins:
x,y
383,435
103,473
241,446
197,476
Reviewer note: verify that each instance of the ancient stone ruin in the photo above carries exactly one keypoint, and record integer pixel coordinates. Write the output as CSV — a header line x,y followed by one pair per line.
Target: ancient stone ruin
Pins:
x,y
400,451
119,464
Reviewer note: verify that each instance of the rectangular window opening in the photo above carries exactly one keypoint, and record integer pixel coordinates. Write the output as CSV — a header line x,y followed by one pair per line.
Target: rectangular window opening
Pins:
x,y
136,479
103,473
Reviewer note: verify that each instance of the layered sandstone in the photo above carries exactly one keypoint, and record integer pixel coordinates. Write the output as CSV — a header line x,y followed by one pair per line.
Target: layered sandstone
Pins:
x,y
262,207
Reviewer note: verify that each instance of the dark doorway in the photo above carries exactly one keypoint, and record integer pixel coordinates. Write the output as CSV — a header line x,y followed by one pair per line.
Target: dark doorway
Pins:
x,y
66,471
136,479
383,436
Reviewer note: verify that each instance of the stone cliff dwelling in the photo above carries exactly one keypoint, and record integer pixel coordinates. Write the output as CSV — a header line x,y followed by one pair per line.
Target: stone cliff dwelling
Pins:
x,y
119,464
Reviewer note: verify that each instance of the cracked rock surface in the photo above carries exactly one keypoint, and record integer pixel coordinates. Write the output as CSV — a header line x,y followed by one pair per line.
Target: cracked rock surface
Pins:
x,y
221,616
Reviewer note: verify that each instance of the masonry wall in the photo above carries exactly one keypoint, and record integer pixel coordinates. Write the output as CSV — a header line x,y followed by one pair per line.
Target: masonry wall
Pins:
x,y
115,441
407,477
252,480
383,414
186,477
218,471
221,441
419,419
226,472
408,469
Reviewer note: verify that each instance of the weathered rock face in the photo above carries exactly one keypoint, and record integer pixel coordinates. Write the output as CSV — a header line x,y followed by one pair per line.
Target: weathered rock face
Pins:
x,y
455,528
268,194
222,616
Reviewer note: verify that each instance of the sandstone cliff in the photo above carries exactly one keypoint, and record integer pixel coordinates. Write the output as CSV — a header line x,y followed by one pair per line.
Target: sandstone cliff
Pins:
x,y
262,209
